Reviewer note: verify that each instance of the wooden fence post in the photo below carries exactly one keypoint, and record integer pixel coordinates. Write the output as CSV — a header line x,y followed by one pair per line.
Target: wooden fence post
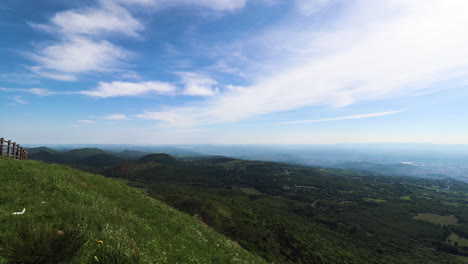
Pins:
x,y
2,140
20,151
8,148
13,153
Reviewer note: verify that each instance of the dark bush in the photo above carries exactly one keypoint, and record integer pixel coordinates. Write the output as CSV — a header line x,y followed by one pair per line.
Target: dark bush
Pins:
x,y
36,243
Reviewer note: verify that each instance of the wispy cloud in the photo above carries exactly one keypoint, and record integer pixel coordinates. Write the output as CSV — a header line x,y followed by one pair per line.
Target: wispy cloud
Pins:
x,y
18,100
308,7
35,91
116,117
86,122
106,18
341,118
63,61
84,33
374,50
116,89
82,46
219,5
198,84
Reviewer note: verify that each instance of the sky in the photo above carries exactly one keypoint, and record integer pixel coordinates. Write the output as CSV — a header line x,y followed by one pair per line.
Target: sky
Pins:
x,y
234,71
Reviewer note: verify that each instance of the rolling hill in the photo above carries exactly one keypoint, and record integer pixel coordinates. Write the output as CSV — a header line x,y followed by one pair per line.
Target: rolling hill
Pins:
x,y
85,157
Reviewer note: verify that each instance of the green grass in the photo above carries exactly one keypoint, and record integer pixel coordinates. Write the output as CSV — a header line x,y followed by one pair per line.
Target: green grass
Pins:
x,y
451,203
463,259
406,198
457,240
250,191
375,200
437,219
135,228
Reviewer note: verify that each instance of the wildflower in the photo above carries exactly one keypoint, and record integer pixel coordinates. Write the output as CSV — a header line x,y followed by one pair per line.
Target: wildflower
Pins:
x,y
100,242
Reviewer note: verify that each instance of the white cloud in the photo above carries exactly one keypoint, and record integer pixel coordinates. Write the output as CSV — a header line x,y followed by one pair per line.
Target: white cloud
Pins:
x,y
54,75
311,7
35,91
81,47
375,50
116,89
18,100
107,17
198,85
341,118
94,21
116,117
86,122
78,55
219,5
38,91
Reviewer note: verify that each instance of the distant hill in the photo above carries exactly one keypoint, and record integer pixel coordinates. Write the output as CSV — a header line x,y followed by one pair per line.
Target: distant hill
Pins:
x,y
87,157
69,212
102,159
159,158
132,154
82,153
33,151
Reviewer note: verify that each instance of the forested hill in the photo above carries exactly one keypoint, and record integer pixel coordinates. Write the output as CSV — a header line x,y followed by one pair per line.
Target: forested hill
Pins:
x,y
295,214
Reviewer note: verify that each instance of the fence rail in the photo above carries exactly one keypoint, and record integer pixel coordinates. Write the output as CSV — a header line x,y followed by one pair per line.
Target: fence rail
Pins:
x,y
12,150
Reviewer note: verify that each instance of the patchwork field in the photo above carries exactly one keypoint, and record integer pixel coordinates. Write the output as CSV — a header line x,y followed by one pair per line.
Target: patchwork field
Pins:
x,y
437,219
457,240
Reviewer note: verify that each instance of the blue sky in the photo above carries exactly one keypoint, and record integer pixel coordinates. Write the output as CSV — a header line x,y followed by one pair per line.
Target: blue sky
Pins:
x,y
234,71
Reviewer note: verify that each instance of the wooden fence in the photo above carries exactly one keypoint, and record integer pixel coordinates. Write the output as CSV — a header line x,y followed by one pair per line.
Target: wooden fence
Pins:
x,y
12,150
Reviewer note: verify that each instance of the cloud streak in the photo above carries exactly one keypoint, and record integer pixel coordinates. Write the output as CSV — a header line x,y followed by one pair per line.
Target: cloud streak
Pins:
x,y
63,61
86,122
35,91
374,50
341,118
217,5
116,89
107,18
198,85
116,117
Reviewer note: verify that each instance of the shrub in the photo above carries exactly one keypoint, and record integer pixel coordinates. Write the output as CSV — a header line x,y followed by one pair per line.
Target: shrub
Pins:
x,y
37,243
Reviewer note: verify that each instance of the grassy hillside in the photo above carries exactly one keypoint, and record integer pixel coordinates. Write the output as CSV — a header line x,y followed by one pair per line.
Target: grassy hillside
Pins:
x,y
100,220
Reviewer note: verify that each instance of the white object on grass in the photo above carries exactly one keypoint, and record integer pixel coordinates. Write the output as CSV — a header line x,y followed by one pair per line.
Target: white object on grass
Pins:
x,y
20,213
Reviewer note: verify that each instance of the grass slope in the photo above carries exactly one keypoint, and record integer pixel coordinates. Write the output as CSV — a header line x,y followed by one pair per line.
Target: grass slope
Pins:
x,y
134,227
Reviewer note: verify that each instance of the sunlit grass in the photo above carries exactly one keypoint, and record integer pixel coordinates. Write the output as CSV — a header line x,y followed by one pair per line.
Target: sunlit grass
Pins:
x,y
134,228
